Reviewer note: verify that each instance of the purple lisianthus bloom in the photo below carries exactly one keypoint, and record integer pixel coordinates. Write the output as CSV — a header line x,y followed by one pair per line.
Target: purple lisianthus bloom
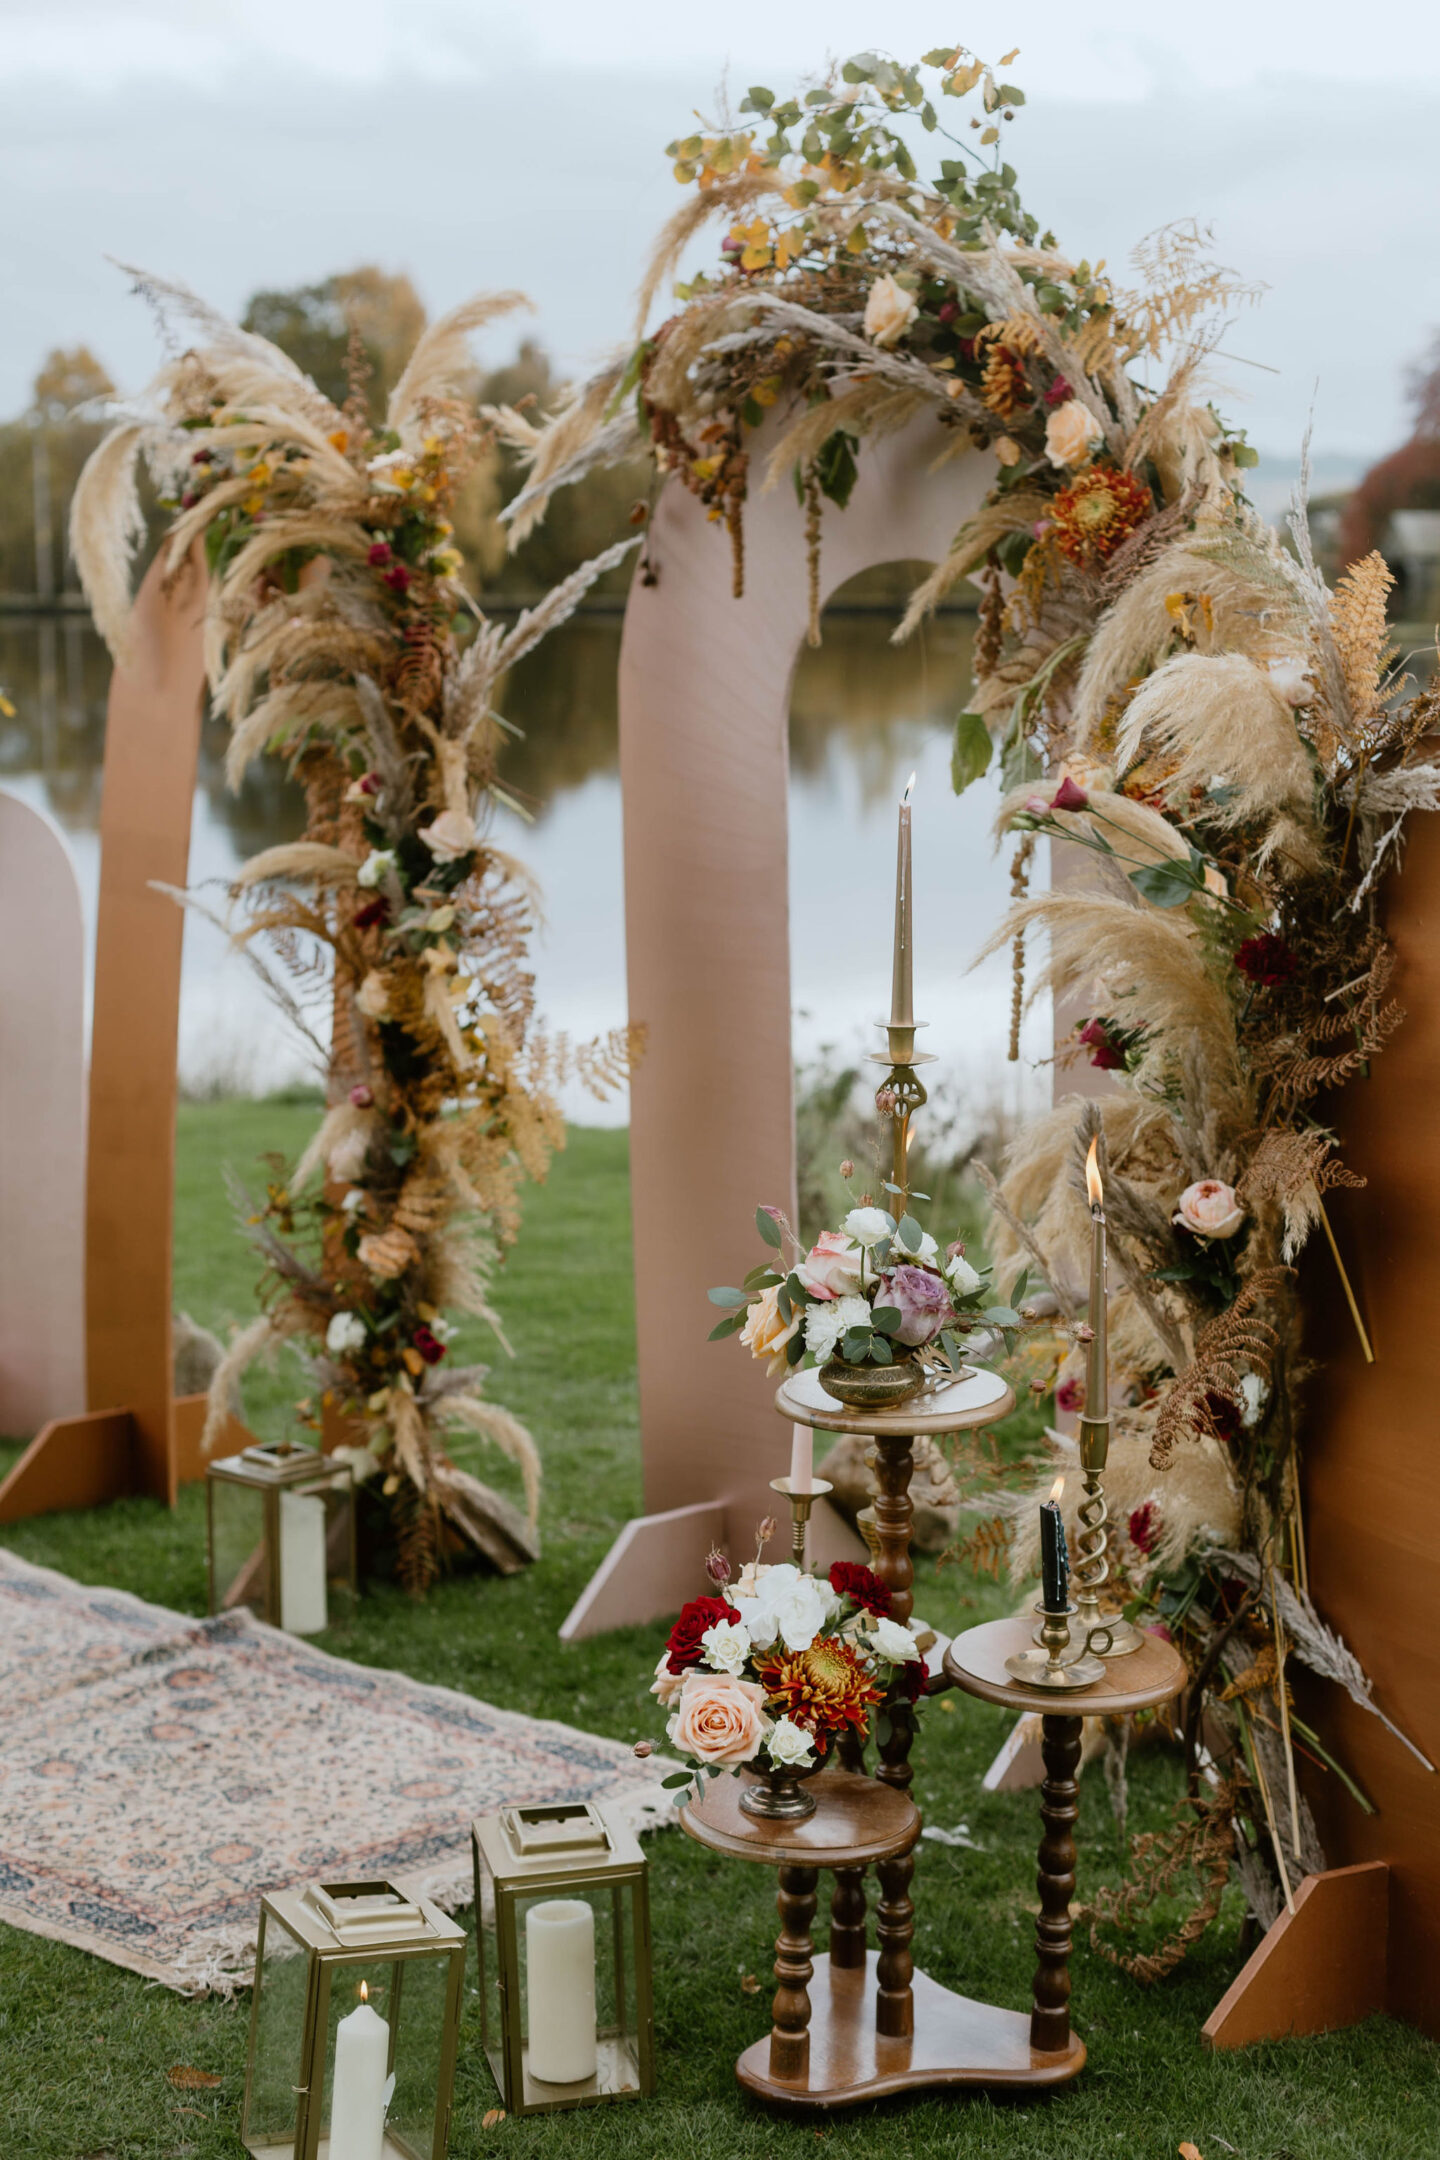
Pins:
x,y
922,1301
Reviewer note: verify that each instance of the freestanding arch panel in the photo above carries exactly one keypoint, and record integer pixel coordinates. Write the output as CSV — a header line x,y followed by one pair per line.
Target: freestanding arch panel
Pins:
x,y
704,715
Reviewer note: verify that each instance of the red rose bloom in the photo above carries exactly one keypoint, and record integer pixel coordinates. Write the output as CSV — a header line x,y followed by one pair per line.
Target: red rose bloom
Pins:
x,y
1144,1527
848,1578
1058,391
910,1680
1096,1037
685,1645
379,555
1266,960
398,578
429,1346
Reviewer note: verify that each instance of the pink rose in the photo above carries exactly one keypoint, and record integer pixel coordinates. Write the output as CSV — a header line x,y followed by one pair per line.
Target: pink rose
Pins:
x,y
1070,1396
922,1301
831,1268
1209,1209
719,1719
666,1685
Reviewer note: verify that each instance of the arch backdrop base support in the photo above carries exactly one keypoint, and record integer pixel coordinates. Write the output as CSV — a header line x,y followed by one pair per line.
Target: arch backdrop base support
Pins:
x,y
86,1461
1321,1967
704,766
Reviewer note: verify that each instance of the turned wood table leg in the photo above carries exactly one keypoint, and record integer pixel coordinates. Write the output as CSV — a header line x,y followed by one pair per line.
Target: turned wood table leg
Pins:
x,y
1059,1808
895,1915
794,1949
849,1914
894,1932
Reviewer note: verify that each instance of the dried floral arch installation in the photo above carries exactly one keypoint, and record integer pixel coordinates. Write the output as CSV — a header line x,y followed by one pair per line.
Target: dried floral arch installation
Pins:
x,y
332,609
1168,688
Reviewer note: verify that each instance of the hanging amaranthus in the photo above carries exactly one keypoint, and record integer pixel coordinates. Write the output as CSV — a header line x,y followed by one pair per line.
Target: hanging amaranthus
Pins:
x,y
331,641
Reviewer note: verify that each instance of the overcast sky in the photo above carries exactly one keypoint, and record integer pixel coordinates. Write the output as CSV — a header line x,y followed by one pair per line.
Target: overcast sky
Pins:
x,y
239,143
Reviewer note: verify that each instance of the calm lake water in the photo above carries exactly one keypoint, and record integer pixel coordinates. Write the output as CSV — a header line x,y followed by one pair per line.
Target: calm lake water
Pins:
x,y
863,715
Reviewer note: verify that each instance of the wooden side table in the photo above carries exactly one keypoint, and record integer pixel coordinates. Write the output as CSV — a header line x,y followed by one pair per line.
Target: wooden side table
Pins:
x,y
1153,1674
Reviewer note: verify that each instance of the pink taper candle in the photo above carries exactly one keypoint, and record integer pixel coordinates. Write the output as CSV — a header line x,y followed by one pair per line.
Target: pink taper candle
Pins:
x,y
802,1458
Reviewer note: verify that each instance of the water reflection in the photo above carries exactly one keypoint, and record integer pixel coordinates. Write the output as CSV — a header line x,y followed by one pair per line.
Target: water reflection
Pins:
x,y
863,713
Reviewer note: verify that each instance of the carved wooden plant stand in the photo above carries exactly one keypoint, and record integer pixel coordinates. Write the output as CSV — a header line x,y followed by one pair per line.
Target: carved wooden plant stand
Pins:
x,y
855,2024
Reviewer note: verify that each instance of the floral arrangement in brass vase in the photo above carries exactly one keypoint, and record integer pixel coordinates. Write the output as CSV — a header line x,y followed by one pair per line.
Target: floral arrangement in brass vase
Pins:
x,y
1169,691
770,1672
340,638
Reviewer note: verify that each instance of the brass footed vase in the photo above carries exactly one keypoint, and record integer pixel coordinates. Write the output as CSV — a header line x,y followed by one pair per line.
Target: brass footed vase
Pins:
x,y
872,1387
772,1791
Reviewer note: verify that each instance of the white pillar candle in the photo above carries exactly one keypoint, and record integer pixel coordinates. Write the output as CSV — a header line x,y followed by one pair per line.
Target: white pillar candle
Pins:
x,y
560,1990
362,2069
304,1609
802,1458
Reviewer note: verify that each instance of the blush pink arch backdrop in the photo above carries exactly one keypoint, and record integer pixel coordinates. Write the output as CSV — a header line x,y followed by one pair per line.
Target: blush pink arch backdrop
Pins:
x,y
704,712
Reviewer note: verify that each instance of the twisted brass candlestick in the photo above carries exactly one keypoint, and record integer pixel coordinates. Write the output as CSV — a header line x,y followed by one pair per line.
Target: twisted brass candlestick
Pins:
x,y
1059,1665
908,1094
1092,1562
800,1506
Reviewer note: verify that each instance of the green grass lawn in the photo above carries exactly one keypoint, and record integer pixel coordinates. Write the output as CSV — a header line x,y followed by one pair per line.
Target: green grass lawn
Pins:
x,y
84,2047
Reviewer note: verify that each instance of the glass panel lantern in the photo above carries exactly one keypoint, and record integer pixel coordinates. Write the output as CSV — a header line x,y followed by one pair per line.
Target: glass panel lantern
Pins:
x,y
353,2026
562,1913
281,1527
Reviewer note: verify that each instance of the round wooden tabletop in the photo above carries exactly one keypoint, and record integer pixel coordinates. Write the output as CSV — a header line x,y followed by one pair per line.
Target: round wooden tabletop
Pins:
x,y
856,1820
975,1661
976,1401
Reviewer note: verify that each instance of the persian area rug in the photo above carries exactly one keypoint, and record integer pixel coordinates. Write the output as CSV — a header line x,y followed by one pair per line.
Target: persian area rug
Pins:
x,y
157,1773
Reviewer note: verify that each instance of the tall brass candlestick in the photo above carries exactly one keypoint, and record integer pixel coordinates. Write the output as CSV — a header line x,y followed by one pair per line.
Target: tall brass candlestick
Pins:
x,y
1092,1566
901,1093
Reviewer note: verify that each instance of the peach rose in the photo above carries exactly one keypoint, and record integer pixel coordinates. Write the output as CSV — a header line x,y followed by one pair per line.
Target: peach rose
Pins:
x,y
889,311
1209,1209
719,1719
765,1334
666,1685
451,836
373,996
832,1265
1070,433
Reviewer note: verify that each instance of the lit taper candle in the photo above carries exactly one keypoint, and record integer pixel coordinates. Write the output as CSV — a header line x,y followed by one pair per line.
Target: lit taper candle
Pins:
x,y
902,978
1097,1372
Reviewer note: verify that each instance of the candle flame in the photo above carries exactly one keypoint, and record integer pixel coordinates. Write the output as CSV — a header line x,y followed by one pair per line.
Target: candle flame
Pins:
x,y
1093,1185
364,1992
909,791
1057,1488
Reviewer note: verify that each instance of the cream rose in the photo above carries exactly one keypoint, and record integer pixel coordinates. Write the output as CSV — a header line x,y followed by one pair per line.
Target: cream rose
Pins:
x,y
666,1685
719,1719
347,1158
832,1265
765,1334
889,311
1209,1209
451,836
868,1225
790,1745
373,996
1071,432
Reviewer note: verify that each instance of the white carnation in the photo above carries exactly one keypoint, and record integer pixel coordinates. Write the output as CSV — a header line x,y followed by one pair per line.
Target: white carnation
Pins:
x,y
826,1324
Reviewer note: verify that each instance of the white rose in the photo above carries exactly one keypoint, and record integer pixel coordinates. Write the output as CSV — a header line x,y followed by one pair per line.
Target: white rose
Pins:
x,y
789,1744
926,1251
726,1647
1070,433
895,1643
868,1225
826,1324
377,866
786,1604
373,997
962,1275
451,836
1209,1209
1290,680
345,1332
889,311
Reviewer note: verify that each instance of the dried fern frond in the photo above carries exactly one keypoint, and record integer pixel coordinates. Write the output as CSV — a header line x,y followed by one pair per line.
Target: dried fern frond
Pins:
x,y
1239,1342
1359,627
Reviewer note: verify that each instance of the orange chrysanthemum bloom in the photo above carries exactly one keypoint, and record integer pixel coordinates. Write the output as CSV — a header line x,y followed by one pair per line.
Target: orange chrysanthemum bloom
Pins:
x,y
822,1688
1098,510
1003,387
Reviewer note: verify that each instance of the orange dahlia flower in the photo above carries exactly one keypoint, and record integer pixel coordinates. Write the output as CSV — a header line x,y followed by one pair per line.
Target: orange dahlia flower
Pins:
x,y
822,1688
1099,509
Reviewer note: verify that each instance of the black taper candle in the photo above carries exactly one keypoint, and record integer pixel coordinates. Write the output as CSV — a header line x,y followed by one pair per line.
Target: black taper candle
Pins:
x,y
1054,1558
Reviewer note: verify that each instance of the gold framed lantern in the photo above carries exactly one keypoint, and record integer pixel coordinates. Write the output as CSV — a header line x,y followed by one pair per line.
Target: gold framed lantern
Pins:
x,y
280,1524
353,2026
562,1908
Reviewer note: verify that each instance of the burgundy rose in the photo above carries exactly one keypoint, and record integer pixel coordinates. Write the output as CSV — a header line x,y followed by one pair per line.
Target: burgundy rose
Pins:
x,y
1058,391
429,1345
1070,1395
1144,1527
849,1578
686,1645
909,1680
1108,1057
373,912
1266,960
948,312
922,1301
397,577
379,555
1068,796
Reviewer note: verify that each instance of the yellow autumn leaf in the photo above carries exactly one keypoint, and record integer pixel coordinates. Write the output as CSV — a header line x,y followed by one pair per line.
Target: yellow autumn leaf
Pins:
x,y
1006,58
990,134
767,389
788,246
963,79
858,240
